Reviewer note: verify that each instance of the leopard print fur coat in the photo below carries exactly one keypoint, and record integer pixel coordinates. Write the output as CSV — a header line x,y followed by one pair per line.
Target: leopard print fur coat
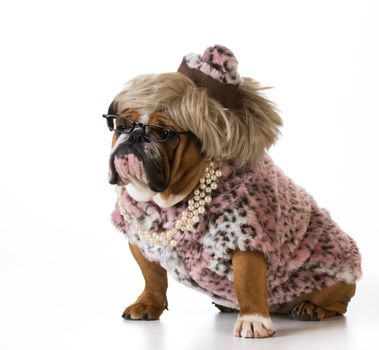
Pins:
x,y
257,208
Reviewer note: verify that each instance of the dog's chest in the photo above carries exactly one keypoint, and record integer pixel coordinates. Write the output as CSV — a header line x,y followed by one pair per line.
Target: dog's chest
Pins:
x,y
195,261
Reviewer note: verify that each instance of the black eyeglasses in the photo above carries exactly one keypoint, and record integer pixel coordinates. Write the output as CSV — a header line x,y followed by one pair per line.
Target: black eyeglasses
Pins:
x,y
124,125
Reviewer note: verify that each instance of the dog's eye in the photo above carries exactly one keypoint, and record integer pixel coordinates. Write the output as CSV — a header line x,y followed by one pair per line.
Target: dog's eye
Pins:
x,y
120,128
123,125
163,133
157,133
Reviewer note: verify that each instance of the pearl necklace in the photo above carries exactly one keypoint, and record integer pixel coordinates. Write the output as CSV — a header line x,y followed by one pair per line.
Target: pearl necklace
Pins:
x,y
196,206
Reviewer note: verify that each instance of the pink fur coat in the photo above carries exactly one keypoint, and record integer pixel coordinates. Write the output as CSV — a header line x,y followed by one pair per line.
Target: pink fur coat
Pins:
x,y
258,208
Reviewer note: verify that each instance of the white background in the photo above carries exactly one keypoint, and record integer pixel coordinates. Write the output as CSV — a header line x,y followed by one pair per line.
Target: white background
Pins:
x,y
62,264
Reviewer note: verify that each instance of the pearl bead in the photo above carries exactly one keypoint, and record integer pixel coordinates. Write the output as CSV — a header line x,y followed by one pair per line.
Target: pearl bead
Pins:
x,y
196,205
202,180
213,177
191,202
173,243
202,186
196,192
208,181
207,169
208,190
202,202
189,227
213,186
191,208
195,212
208,199
195,219
202,195
197,198
178,225
183,221
201,210
218,173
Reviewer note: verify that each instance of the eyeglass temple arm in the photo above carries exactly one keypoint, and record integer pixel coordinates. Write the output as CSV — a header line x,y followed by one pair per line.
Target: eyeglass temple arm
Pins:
x,y
109,121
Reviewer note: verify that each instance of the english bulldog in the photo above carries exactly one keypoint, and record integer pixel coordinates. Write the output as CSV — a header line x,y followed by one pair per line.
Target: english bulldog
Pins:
x,y
200,198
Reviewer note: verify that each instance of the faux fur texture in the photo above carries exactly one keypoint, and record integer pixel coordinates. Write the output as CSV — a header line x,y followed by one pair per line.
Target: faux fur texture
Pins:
x,y
255,208
218,62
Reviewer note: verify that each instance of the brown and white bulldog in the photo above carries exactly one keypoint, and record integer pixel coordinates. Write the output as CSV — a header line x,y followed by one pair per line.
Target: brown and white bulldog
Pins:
x,y
160,167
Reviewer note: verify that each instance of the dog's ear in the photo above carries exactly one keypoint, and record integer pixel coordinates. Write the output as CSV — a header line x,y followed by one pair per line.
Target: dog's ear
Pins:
x,y
112,173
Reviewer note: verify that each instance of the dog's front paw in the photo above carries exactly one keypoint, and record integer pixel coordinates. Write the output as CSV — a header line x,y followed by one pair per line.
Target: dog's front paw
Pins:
x,y
140,311
253,326
149,306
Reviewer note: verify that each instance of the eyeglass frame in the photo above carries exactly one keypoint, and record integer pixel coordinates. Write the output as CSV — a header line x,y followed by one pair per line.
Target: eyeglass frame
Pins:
x,y
170,133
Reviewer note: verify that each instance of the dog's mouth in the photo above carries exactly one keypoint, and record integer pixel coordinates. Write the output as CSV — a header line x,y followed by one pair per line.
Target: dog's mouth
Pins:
x,y
129,166
142,165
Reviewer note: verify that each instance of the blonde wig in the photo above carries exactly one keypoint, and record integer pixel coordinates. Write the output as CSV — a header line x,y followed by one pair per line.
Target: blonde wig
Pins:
x,y
241,133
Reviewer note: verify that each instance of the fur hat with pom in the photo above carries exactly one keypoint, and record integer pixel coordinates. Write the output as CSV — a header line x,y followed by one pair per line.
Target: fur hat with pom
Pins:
x,y
215,70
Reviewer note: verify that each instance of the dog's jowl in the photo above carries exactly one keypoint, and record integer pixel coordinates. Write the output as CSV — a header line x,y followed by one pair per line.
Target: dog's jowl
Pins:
x,y
199,198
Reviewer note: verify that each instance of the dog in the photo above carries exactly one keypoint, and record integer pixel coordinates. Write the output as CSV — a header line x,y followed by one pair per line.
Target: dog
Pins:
x,y
200,198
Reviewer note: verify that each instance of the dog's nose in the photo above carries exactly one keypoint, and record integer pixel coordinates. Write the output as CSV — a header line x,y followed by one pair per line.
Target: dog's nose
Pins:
x,y
136,136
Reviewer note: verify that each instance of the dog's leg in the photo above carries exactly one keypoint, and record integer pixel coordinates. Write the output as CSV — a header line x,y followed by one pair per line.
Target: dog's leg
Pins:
x,y
250,282
151,303
324,303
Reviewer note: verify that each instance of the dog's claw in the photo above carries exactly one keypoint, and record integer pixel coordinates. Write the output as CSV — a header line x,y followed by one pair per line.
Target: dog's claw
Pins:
x,y
225,309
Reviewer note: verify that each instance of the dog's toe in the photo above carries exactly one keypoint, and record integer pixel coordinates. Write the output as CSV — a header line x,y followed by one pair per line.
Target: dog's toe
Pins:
x,y
139,311
253,326
306,311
